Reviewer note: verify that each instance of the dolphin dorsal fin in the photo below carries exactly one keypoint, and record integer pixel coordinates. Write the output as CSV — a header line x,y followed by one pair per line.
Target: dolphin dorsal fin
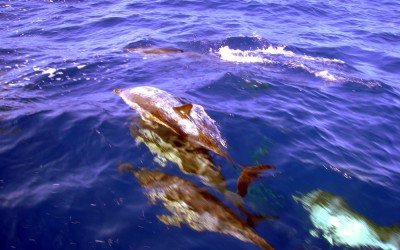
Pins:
x,y
184,110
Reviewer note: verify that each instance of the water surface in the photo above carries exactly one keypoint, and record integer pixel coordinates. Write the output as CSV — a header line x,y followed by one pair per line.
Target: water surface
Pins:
x,y
310,87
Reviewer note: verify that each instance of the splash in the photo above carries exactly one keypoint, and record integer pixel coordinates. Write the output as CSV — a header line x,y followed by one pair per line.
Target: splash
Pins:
x,y
258,55
51,72
325,75
281,56
280,50
239,56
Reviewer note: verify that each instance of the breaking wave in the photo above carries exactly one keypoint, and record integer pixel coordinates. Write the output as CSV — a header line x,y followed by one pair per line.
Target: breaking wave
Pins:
x,y
316,66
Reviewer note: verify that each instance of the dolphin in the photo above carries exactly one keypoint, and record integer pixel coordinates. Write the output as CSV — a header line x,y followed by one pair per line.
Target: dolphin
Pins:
x,y
342,226
185,119
153,50
167,145
194,206
189,122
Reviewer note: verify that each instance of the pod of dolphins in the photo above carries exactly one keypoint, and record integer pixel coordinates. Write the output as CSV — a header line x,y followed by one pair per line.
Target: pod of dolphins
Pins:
x,y
182,133
193,206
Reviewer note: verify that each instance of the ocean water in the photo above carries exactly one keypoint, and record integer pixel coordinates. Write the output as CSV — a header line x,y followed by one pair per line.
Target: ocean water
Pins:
x,y
311,87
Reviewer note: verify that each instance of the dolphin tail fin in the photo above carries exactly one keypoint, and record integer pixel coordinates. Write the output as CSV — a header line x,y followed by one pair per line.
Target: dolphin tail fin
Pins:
x,y
248,175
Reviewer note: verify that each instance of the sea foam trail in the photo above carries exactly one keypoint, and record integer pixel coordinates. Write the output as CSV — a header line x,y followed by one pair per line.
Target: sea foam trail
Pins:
x,y
237,55
279,55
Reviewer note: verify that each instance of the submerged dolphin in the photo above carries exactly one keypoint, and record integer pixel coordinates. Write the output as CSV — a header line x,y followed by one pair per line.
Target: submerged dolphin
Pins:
x,y
193,206
342,226
167,145
152,50
189,122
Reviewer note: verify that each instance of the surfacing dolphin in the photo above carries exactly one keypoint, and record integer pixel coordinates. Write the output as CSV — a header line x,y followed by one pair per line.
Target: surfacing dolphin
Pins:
x,y
152,50
187,120
193,206
342,226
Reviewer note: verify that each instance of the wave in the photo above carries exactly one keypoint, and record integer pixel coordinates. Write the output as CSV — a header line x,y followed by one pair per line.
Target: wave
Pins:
x,y
327,69
257,50
271,50
225,51
269,55
236,55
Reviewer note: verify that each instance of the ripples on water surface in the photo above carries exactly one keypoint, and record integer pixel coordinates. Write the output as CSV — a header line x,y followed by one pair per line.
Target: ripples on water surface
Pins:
x,y
310,87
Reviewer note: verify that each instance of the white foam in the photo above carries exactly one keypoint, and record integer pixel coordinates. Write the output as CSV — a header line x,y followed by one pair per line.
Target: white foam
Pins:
x,y
49,71
322,59
325,75
257,55
280,50
236,55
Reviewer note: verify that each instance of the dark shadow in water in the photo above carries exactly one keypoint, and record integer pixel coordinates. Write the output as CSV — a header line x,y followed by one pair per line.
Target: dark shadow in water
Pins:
x,y
192,159
152,50
193,206
169,146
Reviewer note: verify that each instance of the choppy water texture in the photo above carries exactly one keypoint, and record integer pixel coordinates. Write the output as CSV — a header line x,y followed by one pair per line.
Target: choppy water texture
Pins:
x,y
311,87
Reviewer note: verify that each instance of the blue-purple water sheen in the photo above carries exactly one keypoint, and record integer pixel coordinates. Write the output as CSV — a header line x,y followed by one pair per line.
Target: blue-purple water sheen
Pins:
x,y
311,87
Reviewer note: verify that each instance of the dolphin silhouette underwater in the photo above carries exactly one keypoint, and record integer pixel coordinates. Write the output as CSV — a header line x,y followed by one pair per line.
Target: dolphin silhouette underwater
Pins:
x,y
194,206
193,160
342,226
152,50
169,146
189,121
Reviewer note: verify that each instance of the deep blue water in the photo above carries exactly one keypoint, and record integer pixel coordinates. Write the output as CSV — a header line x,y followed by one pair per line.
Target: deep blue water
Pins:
x,y
311,87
